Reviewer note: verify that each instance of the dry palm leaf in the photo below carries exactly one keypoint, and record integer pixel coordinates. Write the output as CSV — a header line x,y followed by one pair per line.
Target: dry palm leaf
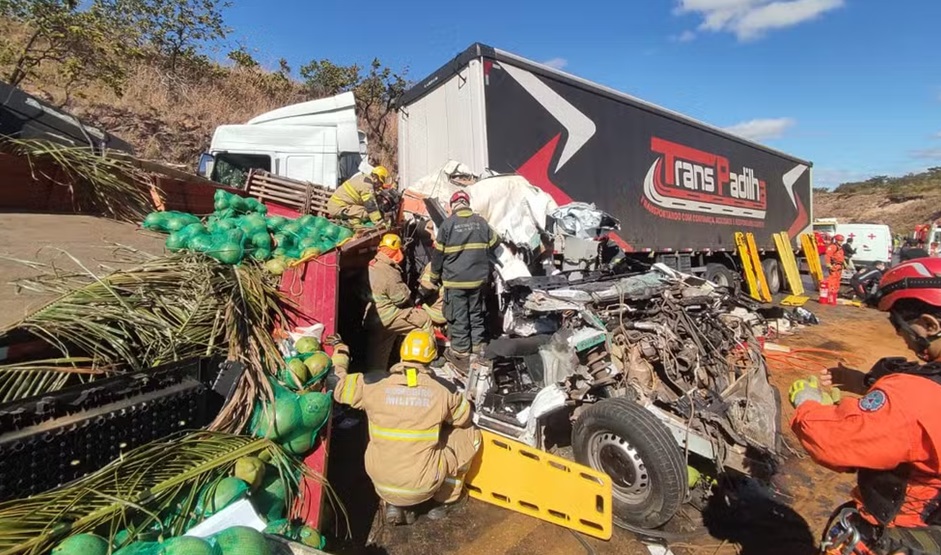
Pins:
x,y
154,487
114,187
164,309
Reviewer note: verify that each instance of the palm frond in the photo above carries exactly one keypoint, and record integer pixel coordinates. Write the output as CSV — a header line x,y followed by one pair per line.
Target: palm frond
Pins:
x,y
162,310
114,187
154,487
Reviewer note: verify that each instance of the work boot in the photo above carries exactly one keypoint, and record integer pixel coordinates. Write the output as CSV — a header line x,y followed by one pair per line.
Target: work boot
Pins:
x,y
479,349
396,516
460,361
441,510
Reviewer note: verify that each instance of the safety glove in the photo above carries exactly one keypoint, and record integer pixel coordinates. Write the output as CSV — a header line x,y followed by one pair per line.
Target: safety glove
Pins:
x,y
809,390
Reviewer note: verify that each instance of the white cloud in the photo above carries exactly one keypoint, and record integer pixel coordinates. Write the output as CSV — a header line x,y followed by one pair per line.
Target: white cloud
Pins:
x,y
556,63
830,178
761,129
927,154
750,19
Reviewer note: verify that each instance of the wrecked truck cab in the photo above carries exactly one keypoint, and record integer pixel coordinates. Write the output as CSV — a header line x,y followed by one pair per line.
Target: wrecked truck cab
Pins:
x,y
640,376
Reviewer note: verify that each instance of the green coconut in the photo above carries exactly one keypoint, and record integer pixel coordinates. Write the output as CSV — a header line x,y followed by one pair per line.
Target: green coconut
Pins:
x,y
226,491
300,443
176,242
271,499
307,345
235,235
220,194
228,252
241,540
154,220
278,419
306,243
201,242
261,239
82,544
250,470
294,373
275,223
307,220
344,233
292,228
276,266
310,537
187,545
315,409
318,364
139,548
261,254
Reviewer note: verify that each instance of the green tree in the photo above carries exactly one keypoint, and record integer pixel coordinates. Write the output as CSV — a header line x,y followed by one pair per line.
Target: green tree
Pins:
x,y
377,91
243,58
177,30
81,42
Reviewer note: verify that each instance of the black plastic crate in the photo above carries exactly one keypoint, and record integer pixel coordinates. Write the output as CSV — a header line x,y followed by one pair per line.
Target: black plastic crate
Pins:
x,y
50,440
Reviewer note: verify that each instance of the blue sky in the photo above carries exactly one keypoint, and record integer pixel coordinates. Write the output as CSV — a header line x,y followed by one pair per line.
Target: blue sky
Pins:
x,y
853,85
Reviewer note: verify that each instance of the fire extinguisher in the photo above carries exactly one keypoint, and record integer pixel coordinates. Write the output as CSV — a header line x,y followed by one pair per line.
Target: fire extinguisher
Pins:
x,y
824,293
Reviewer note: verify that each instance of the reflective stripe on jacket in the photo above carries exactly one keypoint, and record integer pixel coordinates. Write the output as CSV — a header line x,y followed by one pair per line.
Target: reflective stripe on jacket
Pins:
x,y
355,191
389,292
461,258
405,455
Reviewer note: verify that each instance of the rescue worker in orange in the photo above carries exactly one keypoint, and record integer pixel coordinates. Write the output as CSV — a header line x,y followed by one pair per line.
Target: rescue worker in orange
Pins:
x,y
422,439
391,314
835,259
891,437
355,199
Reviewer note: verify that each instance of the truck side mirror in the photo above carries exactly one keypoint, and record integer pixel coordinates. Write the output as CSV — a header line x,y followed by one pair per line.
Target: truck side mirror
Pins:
x,y
206,163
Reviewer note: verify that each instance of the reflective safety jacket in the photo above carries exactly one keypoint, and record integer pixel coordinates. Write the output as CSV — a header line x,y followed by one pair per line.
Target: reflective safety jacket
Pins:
x,y
355,191
461,258
433,306
834,255
409,411
892,438
389,292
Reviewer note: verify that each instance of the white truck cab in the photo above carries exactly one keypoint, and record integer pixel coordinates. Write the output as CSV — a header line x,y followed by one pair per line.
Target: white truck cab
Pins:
x,y
316,141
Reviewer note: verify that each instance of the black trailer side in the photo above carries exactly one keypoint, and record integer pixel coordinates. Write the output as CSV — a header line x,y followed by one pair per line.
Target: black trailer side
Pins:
x,y
676,184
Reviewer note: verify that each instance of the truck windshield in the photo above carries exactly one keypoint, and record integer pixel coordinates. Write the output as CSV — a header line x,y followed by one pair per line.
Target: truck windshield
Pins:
x,y
231,168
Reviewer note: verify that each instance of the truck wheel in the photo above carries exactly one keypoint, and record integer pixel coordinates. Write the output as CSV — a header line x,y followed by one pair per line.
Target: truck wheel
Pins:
x,y
772,270
720,275
648,474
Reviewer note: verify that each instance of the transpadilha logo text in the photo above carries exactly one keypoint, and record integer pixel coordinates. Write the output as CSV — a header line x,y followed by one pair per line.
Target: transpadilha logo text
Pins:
x,y
702,183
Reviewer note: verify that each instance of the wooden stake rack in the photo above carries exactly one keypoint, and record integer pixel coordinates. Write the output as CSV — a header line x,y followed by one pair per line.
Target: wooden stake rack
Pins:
x,y
303,196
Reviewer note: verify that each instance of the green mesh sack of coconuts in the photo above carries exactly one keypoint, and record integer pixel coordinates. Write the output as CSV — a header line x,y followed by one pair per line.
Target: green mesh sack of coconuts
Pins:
x,y
240,228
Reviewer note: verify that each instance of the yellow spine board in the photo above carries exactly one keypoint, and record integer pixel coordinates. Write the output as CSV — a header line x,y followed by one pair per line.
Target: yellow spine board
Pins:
x,y
520,478
809,243
783,243
754,276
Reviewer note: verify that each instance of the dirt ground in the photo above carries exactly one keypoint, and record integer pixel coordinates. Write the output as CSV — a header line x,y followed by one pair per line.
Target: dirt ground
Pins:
x,y
54,240
787,520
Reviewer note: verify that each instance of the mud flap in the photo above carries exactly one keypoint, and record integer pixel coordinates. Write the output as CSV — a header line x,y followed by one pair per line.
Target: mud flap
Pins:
x,y
517,477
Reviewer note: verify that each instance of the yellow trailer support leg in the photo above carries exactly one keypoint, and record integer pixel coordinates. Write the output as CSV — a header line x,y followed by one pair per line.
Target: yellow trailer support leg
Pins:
x,y
520,478
809,244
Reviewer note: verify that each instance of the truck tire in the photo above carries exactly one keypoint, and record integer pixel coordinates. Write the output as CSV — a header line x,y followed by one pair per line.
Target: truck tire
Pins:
x,y
772,270
720,275
647,470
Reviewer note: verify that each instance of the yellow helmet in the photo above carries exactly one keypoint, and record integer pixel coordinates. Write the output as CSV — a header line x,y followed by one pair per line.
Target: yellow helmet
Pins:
x,y
392,241
382,173
418,346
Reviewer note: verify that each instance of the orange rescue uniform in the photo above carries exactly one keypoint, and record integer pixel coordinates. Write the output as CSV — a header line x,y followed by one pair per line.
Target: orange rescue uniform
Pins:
x,y
834,259
896,426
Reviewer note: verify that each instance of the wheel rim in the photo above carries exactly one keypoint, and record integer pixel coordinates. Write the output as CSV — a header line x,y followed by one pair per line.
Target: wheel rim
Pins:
x,y
774,279
620,460
721,279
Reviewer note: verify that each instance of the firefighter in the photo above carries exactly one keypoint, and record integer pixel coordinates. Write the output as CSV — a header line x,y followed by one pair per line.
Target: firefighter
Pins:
x,y
355,200
431,298
835,260
391,314
422,439
892,435
461,264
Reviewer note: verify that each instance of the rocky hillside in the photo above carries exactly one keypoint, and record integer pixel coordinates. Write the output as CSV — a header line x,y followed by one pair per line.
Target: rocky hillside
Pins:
x,y
900,202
